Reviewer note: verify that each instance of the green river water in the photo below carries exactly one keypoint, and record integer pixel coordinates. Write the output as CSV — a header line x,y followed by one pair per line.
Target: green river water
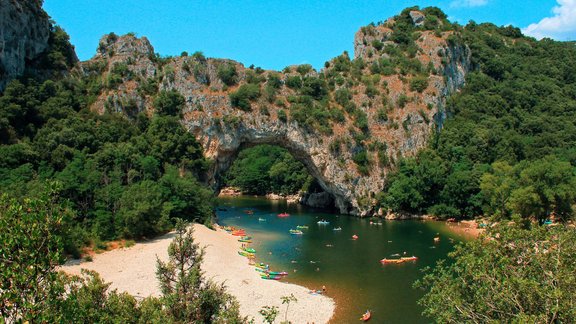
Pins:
x,y
350,269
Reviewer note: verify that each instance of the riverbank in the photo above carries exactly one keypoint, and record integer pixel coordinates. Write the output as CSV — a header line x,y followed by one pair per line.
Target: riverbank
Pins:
x,y
468,228
133,270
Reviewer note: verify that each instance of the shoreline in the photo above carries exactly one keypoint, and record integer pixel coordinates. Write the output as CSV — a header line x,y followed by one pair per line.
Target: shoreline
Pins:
x,y
467,228
133,270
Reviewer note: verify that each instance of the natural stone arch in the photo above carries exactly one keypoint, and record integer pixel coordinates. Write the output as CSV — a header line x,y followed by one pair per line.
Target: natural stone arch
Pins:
x,y
290,138
222,129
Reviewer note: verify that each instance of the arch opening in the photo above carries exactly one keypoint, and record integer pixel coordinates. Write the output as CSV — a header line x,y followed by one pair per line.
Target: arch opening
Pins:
x,y
274,170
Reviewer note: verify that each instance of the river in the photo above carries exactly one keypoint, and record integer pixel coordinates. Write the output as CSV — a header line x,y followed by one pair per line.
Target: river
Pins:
x,y
349,269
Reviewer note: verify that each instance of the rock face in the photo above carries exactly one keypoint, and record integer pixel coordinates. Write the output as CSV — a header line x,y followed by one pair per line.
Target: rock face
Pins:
x,y
398,117
318,200
24,34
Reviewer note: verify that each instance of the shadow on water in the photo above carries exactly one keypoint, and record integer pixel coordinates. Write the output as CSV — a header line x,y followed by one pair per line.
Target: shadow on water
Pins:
x,y
350,269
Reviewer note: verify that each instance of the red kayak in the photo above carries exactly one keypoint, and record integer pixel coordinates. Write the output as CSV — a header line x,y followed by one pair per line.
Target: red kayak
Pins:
x,y
283,215
366,316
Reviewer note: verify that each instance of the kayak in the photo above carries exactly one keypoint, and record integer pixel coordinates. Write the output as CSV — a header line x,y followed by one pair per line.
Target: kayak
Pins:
x,y
296,232
412,258
261,266
283,215
245,240
366,316
392,260
323,222
249,250
271,277
246,254
337,228
272,273
239,233
302,227
261,219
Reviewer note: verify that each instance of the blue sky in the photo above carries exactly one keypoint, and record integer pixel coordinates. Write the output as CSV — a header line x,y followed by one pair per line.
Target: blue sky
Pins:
x,y
274,34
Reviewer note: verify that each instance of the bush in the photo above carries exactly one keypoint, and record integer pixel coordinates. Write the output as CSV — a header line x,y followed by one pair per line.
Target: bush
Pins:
x,y
294,82
169,103
509,276
282,116
242,97
227,73
304,69
419,83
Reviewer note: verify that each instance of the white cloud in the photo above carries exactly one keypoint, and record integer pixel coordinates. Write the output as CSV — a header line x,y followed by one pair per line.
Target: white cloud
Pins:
x,y
468,3
561,26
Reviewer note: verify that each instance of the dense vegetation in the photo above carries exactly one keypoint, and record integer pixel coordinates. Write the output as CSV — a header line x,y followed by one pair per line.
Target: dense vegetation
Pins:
x,y
268,169
513,275
31,247
507,147
123,177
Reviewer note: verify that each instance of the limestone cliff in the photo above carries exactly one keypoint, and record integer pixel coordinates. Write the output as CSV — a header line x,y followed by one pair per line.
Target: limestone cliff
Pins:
x,y
348,123
24,33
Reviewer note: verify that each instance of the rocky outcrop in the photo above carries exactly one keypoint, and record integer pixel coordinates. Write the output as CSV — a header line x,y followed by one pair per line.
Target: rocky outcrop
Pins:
x,y
398,117
24,34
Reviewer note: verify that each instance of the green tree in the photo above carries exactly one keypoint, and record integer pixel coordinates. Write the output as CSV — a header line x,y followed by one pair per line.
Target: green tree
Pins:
x,y
187,295
169,103
30,249
287,300
227,73
510,275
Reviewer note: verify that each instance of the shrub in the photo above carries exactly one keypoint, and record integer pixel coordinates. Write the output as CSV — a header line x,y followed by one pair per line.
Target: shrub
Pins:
x,y
242,97
402,100
294,82
169,103
377,44
419,83
303,69
282,116
227,73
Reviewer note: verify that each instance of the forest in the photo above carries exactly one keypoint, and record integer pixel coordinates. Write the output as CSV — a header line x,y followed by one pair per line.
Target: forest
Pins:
x,y
268,169
507,147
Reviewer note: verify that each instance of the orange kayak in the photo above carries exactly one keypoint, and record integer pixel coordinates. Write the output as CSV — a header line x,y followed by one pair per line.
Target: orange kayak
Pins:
x,y
366,316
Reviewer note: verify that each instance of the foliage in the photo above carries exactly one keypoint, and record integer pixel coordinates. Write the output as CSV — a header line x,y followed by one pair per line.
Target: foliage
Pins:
x,y
287,300
242,97
264,169
30,249
169,103
228,74
187,296
511,121
510,275
269,313
31,245
102,161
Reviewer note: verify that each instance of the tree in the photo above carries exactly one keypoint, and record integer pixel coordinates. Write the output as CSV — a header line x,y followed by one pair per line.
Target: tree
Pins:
x,y
511,274
227,73
169,103
30,250
545,186
496,187
187,295
287,300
